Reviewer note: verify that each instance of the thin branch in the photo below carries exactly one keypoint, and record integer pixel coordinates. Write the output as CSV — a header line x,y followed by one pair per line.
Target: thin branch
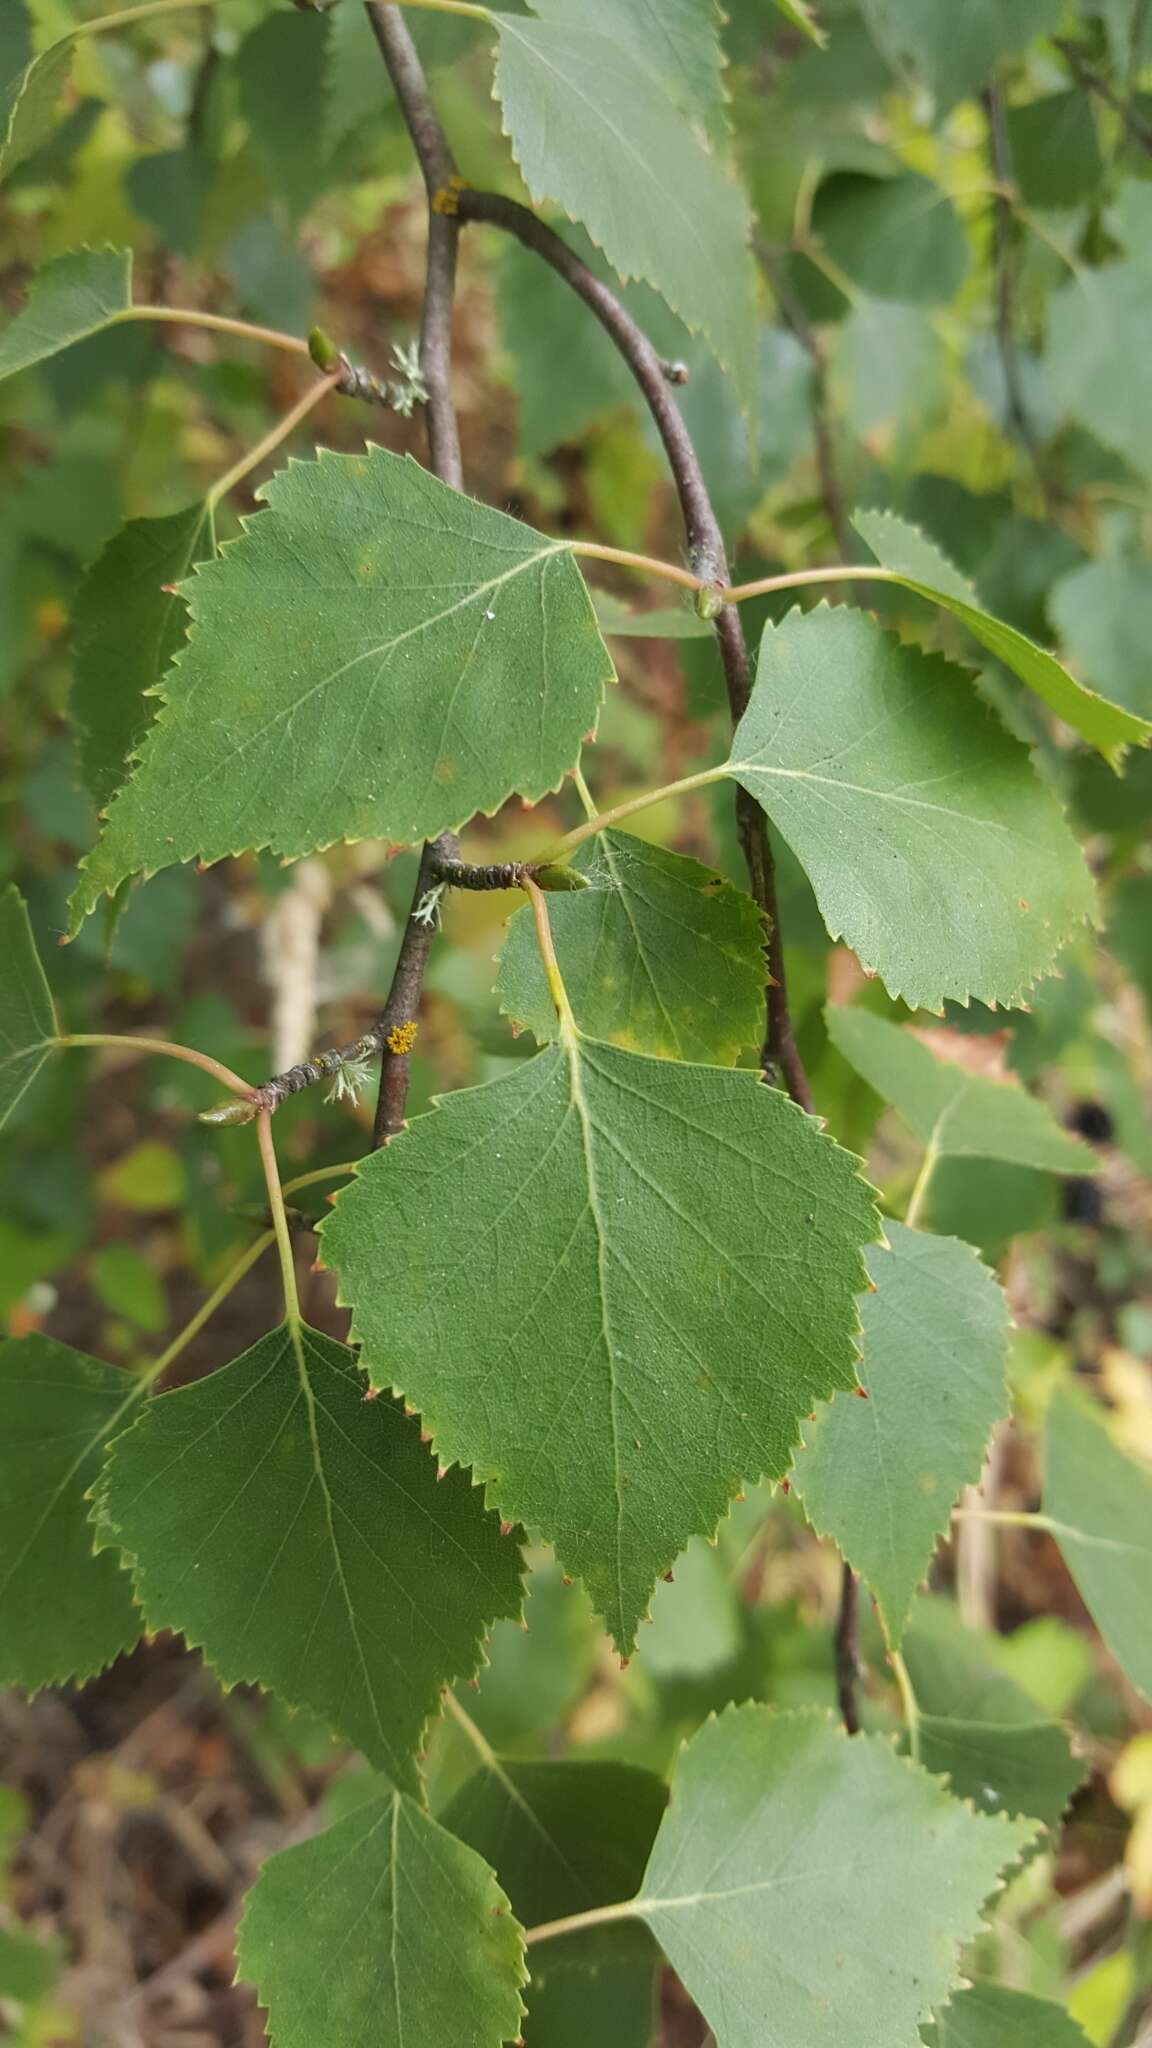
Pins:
x,y
216,323
827,467
708,560
848,1651
1137,130
397,1021
272,439
1004,266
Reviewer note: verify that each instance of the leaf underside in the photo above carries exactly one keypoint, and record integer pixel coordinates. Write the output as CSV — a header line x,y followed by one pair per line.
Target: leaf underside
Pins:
x,y
934,849
298,1533
612,1322
880,1476
815,1889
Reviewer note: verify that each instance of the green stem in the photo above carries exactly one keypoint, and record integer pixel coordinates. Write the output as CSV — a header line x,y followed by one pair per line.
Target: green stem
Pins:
x,y
319,1173
649,565
292,1314
217,323
129,15
192,1058
596,1916
910,1703
602,819
208,1308
791,579
1011,1518
272,439
928,1167
583,792
451,7
548,958
479,1741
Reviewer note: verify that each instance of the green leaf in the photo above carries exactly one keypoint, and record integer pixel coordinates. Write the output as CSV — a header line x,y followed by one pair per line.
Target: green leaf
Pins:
x,y
591,130
896,238
659,955
281,71
29,1966
384,1932
376,656
64,1613
933,848
988,2016
1055,150
1094,364
961,1115
1130,929
920,567
664,622
563,1837
881,1476
813,1889
613,1336
891,361
1100,1503
128,623
296,1532
73,296
28,103
677,42
980,1727
1103,614
956,48
28,1026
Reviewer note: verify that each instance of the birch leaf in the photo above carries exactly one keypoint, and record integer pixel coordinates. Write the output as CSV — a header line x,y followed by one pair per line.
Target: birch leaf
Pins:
x,y
29,101
1100,1502
612,1285
72,297
990,2016
28,1027
934,849
296,1531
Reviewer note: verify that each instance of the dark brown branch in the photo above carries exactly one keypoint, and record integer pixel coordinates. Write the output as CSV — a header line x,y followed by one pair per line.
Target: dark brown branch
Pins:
x,y
848,1651
1004,265
1137,130
708,558
438,166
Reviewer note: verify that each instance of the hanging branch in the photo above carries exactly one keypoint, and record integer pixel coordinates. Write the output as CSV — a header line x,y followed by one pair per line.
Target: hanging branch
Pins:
x,y
708,559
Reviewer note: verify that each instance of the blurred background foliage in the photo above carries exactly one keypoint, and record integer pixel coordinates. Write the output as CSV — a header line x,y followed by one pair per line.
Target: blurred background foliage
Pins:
x,y
954,226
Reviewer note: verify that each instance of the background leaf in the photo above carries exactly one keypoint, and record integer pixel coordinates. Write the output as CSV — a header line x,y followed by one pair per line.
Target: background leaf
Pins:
x,y
64,1613
897,238
377,656
29,101
298,1533
1103,614
934,850
73,296
28,1024
128,624
385,1932
924,570
962,1115
1101,1503
881,1476
956,49
839,1901
989,2016
611,1332
281,70
592,131
659,955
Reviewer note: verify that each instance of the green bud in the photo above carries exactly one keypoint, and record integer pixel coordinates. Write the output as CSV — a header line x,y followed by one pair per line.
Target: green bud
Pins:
x,y
709,601
235,1112
323,350
554,877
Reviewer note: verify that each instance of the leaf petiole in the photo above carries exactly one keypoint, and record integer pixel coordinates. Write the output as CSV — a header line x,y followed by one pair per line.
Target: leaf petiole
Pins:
x,y
188,1053
548,958
283,1235
909,1701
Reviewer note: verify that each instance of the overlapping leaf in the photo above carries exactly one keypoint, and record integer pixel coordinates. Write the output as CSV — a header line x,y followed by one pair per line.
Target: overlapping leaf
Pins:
x,y
128,623
564,1837
659,955
980,1728
593,129
73,296
64,1612
933,848
612,1285
1095,371
920,567
384,1932
297,1532
881,1476
1103,614
815,1890
377,655
28,1026
29,101
1100,1504
990,2016
960,1115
